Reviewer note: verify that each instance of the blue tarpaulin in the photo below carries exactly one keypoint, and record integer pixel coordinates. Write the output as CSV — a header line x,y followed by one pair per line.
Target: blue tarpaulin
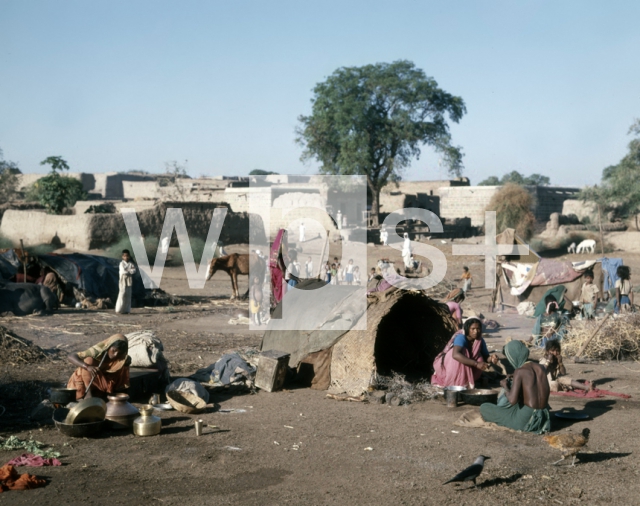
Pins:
x,y
9,264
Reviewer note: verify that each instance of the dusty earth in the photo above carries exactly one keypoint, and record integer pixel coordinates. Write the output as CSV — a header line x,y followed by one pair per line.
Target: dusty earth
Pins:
x,y
344,452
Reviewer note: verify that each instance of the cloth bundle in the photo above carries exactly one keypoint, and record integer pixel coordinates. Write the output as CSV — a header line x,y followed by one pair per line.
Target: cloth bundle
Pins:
x,y
231,369
527,308
145,349
190,386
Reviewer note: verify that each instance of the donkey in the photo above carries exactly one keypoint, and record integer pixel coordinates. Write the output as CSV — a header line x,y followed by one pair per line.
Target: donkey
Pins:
x,y
235,264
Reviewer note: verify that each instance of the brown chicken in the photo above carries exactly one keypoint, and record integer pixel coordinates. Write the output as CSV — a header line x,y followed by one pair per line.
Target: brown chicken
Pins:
x,y
568,444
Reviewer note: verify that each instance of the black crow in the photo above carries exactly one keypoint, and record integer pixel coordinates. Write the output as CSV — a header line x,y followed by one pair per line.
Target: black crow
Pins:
x,y
471,472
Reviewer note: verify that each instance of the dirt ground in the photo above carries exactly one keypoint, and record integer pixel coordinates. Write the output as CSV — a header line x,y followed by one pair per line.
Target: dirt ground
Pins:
x,y
345,452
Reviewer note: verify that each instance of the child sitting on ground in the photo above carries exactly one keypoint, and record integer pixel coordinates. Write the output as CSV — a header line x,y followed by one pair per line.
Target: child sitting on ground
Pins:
x,y
589,296
556,372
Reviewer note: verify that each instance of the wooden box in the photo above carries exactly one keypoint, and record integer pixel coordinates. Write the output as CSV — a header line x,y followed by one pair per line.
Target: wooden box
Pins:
x,y
272,370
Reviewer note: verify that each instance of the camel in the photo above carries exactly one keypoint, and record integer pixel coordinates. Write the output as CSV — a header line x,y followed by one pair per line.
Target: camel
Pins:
x,y
235,264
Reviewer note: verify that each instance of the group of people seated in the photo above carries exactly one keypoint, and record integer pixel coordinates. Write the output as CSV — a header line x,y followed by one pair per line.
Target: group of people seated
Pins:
x,y
523,404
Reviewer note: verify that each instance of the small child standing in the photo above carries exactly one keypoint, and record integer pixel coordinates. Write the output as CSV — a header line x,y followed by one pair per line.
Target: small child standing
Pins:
x,y
348,272
556,372
334,275
372,274
255,300
624,290
589,296
126,271
466,279
356,275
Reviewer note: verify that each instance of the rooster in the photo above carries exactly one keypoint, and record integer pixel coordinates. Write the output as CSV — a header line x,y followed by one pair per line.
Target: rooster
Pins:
x,y
568,444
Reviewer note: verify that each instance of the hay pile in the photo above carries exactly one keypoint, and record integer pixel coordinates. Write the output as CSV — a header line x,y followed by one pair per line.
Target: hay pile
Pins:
x,y
406,391
14,349
618,339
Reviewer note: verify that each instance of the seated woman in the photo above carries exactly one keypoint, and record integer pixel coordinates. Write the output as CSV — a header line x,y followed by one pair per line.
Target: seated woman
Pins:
x,y
523,402
464,358
550,324
107,363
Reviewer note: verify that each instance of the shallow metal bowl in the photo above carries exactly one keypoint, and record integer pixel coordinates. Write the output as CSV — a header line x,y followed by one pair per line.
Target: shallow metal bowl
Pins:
x,y
77,429
477,396
455,389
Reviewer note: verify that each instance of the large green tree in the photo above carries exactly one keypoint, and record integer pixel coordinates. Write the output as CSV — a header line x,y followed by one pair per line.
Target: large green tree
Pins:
x,y
373,120
620,186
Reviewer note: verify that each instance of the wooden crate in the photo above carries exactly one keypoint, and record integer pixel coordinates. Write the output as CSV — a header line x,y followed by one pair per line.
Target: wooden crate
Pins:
x,y
272,370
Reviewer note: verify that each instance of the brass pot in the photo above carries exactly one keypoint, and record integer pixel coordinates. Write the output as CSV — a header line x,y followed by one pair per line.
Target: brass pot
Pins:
x,y
147,424
120,413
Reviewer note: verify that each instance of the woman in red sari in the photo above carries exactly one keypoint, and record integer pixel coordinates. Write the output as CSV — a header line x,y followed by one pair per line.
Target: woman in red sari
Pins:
x,y
464,358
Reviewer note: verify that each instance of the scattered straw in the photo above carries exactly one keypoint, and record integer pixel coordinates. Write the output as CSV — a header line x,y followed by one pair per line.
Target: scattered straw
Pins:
x,y
15,349
406,391
618,339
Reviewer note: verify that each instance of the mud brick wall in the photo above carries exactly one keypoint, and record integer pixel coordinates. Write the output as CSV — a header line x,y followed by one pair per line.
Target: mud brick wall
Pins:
x,y
471,201
83,232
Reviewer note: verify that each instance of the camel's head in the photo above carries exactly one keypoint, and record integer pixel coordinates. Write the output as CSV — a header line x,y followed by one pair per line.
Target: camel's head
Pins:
x,y
213,267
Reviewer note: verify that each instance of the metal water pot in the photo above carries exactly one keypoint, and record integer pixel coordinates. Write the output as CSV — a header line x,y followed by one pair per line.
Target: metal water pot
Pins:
x,y
147,424
120,413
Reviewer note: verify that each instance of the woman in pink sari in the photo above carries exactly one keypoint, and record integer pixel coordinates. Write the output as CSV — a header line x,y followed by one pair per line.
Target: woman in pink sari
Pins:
x,y
464,358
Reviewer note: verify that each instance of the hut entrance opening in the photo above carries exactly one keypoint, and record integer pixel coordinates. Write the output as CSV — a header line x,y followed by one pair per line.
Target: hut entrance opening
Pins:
x,y
409,337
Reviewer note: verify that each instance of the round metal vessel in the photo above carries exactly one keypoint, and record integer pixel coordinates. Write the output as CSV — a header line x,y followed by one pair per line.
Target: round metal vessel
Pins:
x,y
120,413
147,424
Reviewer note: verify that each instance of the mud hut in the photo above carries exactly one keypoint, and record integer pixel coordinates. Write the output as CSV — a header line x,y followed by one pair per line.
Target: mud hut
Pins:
x,y
405,330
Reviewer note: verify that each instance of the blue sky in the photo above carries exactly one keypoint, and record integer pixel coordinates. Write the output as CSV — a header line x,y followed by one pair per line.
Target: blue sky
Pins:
x,y
550,87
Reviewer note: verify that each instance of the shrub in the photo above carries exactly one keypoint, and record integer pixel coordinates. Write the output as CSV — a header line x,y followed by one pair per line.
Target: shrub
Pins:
x,y
55,192
150,246
512,205
8,180
5,243
197,247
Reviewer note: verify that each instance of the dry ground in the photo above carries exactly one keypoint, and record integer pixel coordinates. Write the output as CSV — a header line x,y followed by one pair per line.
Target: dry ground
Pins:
x,y
414,449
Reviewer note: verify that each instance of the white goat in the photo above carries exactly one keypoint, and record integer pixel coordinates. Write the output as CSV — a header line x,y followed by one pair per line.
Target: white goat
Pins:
x,y
586,246
571,248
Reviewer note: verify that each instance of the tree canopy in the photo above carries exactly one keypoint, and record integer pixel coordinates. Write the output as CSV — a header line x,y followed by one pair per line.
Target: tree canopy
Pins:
x,y
8,179
620,186
516,178
512,205
260,172
54,191
373,120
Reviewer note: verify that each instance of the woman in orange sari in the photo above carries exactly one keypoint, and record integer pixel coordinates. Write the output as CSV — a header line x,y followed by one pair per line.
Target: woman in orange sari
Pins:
x,y
107,363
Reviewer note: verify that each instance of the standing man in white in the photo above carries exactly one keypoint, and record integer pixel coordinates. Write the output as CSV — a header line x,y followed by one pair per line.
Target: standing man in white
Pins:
x,y
384,236
406,252
339,219
302,238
